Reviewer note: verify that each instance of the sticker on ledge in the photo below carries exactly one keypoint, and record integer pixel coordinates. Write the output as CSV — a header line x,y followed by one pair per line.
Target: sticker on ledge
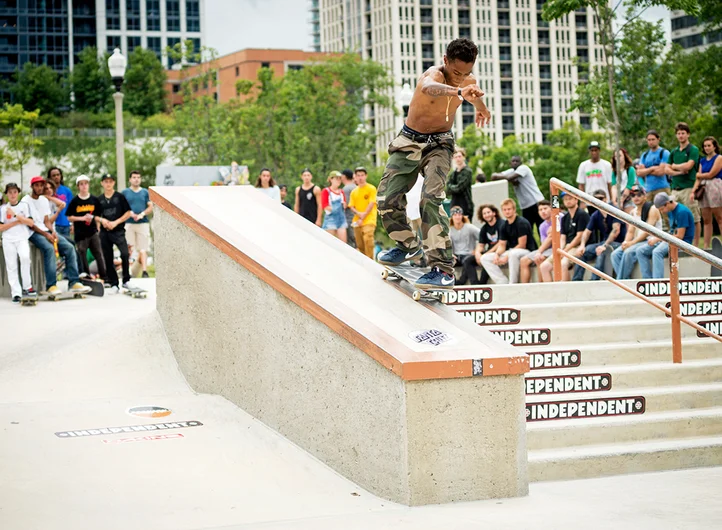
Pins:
x,y
541,360
128,428
149,438
713,326
524,337
433,337
587,408
686,287
467,295
149,412
489,317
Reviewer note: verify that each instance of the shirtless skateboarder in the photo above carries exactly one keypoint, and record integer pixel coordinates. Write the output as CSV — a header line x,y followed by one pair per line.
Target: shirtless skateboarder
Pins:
x,y
426,145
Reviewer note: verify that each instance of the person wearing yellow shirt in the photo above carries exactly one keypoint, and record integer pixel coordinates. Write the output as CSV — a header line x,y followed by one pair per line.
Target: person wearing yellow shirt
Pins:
x,y
363,204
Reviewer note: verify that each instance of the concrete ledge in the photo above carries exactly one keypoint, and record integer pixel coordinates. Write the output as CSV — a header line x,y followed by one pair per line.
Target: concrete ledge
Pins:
x,y
407,423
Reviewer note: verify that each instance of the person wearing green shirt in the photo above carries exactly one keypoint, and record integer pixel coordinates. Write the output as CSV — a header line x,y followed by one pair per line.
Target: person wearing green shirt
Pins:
x,y
627,182
682,167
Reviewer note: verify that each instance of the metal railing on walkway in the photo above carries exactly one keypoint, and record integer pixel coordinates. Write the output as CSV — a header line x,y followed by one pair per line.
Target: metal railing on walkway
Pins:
x,y
675,245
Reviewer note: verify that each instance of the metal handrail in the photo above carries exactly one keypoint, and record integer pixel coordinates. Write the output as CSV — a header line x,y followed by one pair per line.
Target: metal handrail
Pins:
x,y
674,245
637,223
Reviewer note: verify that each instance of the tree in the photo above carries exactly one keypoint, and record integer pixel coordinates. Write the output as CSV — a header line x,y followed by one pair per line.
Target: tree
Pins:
x,y
144,85
307,118
21,144
605,14
40,87
91,82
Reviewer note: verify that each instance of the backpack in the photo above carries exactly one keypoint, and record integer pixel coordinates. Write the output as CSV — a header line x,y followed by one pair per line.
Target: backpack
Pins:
x,y
658,154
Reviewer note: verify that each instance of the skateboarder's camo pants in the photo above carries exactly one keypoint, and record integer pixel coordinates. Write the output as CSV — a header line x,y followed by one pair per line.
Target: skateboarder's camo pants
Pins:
x,y
412,153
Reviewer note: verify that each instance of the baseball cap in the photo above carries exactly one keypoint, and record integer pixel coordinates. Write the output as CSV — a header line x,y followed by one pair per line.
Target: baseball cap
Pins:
x,y
593,144
81,178
661,199
456,209
107,176
335,174
34,180
637,189
11,186
361,168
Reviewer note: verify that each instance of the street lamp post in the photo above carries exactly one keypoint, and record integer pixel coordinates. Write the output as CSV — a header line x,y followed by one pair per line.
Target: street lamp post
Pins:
x,y
405,98
117,64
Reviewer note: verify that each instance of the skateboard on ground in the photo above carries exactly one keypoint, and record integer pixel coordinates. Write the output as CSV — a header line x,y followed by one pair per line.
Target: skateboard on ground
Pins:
x,y
410,274
65,295
717,253
29,300
96,286
136,292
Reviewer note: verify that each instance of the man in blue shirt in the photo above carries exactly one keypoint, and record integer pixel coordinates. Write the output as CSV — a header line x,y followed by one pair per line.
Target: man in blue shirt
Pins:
x,y
62,192
137,228
606,233
681,224
652,167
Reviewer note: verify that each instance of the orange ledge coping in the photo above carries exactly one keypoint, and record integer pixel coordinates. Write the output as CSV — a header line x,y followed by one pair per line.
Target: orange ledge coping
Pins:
x,y
404,362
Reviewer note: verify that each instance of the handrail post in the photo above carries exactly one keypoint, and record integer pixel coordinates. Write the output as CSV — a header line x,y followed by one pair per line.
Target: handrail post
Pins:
x,y
556,257
674,307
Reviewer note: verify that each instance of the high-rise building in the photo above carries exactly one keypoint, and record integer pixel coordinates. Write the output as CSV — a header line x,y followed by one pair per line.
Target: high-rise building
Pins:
x,y
54,32
690,34
152,24
528,68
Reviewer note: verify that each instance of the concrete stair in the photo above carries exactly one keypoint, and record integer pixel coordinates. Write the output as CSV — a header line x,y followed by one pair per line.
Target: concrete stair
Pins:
x,y
610,333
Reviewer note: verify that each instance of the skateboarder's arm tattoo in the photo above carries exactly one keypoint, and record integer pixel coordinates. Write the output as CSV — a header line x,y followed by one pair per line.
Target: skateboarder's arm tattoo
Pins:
x,y
433,85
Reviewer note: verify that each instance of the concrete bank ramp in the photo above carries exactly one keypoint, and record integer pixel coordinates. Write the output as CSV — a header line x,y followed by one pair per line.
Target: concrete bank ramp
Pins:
x,y
411,401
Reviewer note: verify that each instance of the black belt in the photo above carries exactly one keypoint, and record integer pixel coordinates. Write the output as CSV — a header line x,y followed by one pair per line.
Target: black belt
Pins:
x,y
425,138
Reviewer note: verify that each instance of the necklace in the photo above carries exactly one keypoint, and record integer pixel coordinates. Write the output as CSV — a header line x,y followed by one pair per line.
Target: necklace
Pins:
x,y
448,103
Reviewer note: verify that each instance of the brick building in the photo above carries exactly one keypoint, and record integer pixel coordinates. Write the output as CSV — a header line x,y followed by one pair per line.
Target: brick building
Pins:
x,y
243,64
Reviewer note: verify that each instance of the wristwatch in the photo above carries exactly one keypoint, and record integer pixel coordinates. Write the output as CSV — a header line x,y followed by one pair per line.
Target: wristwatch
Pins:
x,y
461,98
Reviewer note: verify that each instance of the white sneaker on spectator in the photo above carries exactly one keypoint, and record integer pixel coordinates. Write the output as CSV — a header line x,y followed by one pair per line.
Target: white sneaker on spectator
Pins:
x,y
114,290
127,286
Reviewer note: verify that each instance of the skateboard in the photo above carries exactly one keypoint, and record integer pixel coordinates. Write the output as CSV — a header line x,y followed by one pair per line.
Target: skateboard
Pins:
x,y
717,253
96,287
29,300
66,295
136,292
410,274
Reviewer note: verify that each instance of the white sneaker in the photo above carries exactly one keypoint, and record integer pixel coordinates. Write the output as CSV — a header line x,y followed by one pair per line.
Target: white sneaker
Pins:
x,y
114,290
127,286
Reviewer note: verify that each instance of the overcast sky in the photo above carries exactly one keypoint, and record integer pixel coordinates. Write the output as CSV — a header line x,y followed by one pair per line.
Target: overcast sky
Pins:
x,y
233,25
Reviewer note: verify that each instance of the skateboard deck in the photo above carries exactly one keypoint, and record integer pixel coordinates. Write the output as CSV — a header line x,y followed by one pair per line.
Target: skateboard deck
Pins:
x,y
29,300
410,274
136,292
717,253
96,287
66,295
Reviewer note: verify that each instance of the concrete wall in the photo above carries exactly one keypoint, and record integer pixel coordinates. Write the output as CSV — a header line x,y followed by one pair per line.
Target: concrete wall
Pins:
x,y
414,443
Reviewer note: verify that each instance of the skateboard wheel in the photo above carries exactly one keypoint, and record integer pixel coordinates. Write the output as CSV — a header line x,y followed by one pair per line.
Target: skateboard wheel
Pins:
x,y
384,274
416,296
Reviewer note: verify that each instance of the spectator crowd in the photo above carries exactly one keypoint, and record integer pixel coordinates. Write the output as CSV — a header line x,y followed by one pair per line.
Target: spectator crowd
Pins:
x,y
93,237
678,191
75,235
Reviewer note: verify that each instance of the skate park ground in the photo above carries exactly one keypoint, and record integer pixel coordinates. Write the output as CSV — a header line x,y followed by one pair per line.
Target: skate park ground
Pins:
x,y
78,365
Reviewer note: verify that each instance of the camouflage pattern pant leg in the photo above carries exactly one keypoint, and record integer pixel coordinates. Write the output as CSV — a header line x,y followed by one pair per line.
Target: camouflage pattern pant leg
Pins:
x,y
402,170
407,159
435,166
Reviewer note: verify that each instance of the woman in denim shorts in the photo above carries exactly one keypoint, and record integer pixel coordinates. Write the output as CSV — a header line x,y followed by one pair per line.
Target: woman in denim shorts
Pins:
x,y
333,203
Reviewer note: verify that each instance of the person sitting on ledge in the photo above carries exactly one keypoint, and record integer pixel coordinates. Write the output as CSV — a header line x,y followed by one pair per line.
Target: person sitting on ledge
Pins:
x,y
681,225
607,232
625,256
